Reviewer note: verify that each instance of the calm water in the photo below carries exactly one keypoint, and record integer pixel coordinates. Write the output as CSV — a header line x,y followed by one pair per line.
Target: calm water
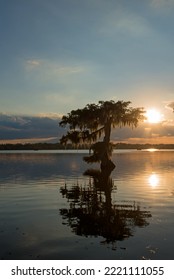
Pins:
x,y
50,210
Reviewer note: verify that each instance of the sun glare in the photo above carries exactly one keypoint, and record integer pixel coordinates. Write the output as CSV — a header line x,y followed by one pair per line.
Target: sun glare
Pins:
x,y
153,180
153,116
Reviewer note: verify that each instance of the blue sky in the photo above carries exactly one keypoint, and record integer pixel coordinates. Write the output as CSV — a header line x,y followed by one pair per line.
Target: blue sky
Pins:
x,y
59,55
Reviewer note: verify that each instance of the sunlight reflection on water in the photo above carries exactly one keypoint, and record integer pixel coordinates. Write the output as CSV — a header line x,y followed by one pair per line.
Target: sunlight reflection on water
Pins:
x,y
153,180
50,210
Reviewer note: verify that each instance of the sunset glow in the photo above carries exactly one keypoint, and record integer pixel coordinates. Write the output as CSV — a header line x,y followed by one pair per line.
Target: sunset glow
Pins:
x,y
153,116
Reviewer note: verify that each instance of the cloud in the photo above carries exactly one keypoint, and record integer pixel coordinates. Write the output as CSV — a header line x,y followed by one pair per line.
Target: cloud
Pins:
x,y
8,128
169,123
29,127
62,97
66,99
124,22
47,75
32,64
47,68
162,4
151,140
170,106
50,115
45,127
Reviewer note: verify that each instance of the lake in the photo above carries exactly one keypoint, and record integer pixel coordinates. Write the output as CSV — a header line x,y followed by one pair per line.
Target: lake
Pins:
x,y
53,207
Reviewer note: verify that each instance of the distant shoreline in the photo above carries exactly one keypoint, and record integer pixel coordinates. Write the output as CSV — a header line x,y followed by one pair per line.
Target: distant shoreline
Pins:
x,y
58,146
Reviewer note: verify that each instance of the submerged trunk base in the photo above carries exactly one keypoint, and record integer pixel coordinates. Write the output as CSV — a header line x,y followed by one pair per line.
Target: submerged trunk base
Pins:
x,y
107,166
102,152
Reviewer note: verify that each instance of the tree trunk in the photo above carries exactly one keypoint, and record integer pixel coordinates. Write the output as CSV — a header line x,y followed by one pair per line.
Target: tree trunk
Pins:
x,y
106,163
107,129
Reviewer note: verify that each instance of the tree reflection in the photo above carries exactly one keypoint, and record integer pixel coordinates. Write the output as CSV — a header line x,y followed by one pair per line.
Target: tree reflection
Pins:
x,y
91,211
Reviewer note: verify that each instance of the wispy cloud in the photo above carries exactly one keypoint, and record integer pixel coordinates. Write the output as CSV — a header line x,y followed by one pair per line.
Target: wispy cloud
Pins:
x,y
52,68
168,124
128,23
32,64
49,74
49,115
170,105
64,98
162,4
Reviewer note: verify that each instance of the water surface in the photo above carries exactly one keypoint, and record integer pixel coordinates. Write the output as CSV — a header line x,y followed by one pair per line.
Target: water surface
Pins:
x,y
50,210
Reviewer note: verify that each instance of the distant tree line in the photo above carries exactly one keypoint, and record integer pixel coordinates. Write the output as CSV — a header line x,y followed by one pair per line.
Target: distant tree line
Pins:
x,y
143,146
58,146
31,146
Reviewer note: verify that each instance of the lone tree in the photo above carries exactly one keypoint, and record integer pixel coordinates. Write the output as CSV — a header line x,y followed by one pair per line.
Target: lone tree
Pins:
x,y
87,125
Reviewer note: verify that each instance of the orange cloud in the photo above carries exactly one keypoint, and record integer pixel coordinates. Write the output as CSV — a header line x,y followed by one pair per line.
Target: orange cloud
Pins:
x,y
151,140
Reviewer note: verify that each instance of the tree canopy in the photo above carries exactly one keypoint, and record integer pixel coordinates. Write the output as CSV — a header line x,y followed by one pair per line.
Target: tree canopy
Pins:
x,y
87,125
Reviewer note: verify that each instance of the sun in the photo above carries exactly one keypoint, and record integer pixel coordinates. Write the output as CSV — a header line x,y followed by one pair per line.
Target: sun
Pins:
x,y
153,116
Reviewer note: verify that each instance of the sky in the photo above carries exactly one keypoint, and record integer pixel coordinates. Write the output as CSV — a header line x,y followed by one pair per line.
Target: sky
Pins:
x,y
59,55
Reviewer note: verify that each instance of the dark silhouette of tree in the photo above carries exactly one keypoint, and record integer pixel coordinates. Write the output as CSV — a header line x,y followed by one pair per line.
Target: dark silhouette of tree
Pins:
x,y
92,213
87,125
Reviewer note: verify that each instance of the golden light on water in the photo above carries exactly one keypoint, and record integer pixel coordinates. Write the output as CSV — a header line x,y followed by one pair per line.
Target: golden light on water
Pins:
x,y
152,150
153,180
